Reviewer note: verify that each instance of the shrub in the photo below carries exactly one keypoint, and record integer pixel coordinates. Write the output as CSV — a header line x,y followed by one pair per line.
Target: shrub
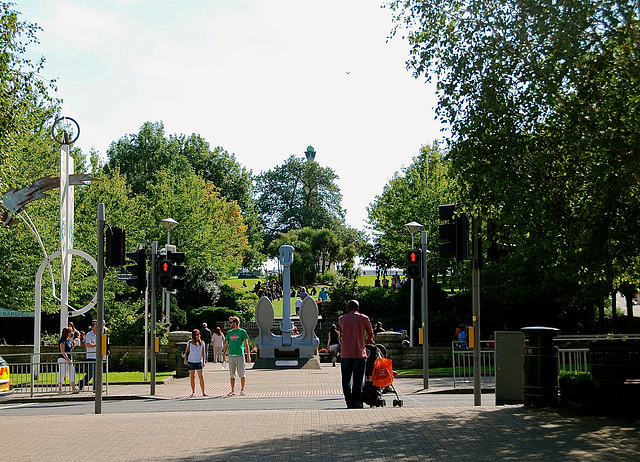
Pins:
x,y
208,314
576,386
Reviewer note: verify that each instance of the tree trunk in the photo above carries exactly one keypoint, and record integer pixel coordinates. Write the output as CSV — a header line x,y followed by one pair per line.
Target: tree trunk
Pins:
x,y
602,325
614,311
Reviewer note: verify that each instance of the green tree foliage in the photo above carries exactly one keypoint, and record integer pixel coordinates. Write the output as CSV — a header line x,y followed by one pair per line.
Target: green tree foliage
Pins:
x,y
413,195
233,181
26,106
542,100
315,251
298,194
141,156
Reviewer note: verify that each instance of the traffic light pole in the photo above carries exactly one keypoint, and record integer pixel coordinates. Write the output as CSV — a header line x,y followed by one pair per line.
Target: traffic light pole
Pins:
x,y
154,296
97,379
475,282
411,305
425,314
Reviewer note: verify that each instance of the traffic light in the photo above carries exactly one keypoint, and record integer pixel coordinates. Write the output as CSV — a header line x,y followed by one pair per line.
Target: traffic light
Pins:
x,y
169,269
138,272
414,264
456,232
115,247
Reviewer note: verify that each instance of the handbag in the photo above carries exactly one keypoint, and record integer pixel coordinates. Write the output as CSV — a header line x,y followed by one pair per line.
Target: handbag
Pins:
x,y
382,372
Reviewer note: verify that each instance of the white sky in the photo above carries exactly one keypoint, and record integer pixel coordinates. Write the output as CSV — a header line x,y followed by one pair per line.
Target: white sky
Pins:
x,y
263,79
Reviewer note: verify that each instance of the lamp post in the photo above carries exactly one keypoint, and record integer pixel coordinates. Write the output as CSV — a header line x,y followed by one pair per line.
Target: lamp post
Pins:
x,y
413,228
170,224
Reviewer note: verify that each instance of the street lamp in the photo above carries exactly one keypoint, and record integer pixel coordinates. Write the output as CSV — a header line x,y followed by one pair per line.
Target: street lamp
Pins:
x,y
413,228
170,224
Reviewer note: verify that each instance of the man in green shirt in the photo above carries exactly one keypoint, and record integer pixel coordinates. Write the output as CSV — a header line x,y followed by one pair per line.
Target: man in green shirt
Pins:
x,y
236,344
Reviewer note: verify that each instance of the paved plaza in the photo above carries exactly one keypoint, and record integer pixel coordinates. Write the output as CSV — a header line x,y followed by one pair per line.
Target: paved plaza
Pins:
x,y
439,430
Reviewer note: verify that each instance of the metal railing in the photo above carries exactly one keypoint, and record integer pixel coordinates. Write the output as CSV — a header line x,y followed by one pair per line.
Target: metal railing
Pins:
x,y
42,376
573,359
463,363
569,359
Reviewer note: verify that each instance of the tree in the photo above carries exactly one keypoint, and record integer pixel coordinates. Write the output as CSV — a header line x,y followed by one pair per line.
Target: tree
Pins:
x,y
234,183
541,99
413,195
140,156
26,106
298,194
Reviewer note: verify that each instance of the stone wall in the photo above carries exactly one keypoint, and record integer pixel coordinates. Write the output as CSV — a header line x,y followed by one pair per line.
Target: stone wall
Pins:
x,y
403,357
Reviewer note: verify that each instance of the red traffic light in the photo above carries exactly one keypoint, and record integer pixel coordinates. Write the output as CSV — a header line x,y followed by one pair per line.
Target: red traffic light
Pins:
x,y
414,264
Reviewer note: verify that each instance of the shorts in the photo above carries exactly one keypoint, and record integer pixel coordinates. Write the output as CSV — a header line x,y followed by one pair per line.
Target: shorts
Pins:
x,y
236,364
334,347
194,366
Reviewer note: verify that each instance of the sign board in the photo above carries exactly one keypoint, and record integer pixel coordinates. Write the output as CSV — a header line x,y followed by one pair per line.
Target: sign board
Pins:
x,y
15,314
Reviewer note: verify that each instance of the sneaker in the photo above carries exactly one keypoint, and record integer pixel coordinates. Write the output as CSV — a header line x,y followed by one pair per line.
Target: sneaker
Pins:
x,y
231,393
242,393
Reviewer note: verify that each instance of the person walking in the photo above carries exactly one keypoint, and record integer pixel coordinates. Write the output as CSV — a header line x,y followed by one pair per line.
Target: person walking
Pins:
x,y
334,343
206,335
65,363
218,345
91,341
355,332
195,359
236,344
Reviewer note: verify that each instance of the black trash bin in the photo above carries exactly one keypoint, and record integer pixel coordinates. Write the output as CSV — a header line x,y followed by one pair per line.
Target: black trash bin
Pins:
x,y
540,367
181,369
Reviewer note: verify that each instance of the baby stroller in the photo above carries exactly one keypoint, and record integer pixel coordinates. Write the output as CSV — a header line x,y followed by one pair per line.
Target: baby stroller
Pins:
x,y
371,394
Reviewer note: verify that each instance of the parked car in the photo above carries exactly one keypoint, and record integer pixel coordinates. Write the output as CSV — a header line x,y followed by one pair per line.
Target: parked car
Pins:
x,y
246,275
5,381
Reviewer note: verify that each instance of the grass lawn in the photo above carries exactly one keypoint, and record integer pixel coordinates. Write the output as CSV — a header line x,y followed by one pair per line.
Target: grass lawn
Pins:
x,y
443,370
368,280
115,377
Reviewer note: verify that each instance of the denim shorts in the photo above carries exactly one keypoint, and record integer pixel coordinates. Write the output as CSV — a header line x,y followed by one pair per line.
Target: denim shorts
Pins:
x,y
194,366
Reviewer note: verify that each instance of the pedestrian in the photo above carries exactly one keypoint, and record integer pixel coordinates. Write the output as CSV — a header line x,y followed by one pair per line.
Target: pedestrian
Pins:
x,y
218,345
195,358
65,362
322,295
206,335
91,341
236,344
334,343
356,331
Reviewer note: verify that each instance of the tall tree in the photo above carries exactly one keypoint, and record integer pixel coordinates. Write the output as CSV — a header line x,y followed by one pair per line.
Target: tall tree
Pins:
x,y
298,194
413,195
542,100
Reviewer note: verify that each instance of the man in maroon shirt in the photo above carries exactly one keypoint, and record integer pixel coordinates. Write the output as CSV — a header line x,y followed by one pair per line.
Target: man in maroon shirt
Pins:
x,y
356,331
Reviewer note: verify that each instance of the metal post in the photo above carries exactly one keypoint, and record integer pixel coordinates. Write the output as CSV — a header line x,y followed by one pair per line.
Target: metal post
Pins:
x,y
425,314
475,280
154,253
146,329
97,379
411,304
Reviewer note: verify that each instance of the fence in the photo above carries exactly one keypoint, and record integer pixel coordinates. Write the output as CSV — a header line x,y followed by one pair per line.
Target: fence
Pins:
x,y
321,325
463,363
42,376
569,359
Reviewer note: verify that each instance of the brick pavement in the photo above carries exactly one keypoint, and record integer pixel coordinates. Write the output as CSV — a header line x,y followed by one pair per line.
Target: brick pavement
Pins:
x,y
407,433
